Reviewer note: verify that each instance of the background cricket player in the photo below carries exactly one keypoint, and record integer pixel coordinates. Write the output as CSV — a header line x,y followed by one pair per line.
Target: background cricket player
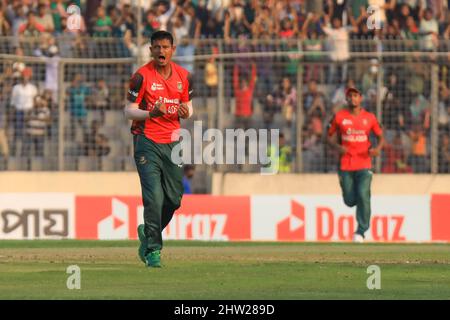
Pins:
x,y
159,95
353,125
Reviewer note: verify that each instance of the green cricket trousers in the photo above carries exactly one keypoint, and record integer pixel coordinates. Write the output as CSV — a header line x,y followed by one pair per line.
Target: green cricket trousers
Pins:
x,y
161,184
355,187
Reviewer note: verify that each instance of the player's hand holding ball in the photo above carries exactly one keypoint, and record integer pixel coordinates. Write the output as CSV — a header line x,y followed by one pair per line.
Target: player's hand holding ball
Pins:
x,y
159,109
183,111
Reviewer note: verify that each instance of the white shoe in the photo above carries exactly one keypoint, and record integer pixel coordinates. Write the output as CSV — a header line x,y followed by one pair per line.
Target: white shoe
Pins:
x,y
358,238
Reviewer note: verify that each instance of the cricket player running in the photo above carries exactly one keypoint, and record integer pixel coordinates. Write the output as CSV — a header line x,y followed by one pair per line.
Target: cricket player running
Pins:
x,y
159,95
353,125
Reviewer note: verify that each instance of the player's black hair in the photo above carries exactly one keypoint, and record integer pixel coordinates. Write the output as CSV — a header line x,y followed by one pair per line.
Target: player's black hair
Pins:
x,y
161,35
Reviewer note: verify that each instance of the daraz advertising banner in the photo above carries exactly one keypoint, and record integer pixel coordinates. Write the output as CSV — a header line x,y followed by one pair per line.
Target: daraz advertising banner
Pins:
x,y
409,218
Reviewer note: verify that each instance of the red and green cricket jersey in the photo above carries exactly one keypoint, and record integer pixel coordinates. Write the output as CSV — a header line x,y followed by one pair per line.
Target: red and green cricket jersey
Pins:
x,y
148,86
353,131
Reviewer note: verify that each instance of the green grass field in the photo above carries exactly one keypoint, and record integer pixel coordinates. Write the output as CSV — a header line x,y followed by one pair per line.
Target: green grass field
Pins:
x,y
208,270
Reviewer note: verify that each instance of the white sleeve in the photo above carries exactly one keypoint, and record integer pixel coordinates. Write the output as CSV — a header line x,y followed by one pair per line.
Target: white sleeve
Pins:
x,y
191,109
135,113
14,96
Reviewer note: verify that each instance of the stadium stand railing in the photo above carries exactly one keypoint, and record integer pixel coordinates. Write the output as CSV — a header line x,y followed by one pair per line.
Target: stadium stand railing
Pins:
x,y
76,120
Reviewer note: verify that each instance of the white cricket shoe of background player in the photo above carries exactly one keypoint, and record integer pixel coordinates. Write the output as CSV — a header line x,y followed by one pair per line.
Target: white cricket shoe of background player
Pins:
x,y
358,238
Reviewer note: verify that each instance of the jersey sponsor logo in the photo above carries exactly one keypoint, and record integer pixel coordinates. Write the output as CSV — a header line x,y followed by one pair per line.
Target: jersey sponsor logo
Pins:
x,y
37,215
157,86
107,217
114,226
173,101
34,222
354,131
326,218
220,218
353,135
353,138
292,227
197,226
347,121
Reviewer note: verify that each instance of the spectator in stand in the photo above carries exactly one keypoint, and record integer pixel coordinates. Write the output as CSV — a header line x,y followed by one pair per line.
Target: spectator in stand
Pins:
x,y
243,92
336,9
16,14
338,36
128,20
358,9
396,115
45,19
444,108
5,28
263,23
182,26
410,33
37,122
4,145
73,24
404,13
58,10
385,9
164,11
188,174
31,28
292,60
420,111
18,66
314,101
395,160
270,108
287,100
338,99
211,74
312,42
444,153
429,30
369,78
285,156
96,144
314,104
151,23
100,98
208,25
51,56
102,24
313,150
179,25
236,23
22,100
392,30
418,157
77,94
287,29
116,20
6,85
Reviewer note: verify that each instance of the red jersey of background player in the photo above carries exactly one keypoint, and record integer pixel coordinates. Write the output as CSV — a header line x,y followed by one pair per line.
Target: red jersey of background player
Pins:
x,y
353,132
148,86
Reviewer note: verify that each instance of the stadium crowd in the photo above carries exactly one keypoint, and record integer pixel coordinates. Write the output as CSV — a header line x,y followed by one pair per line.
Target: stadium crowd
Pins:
x,y
321,26
407,19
